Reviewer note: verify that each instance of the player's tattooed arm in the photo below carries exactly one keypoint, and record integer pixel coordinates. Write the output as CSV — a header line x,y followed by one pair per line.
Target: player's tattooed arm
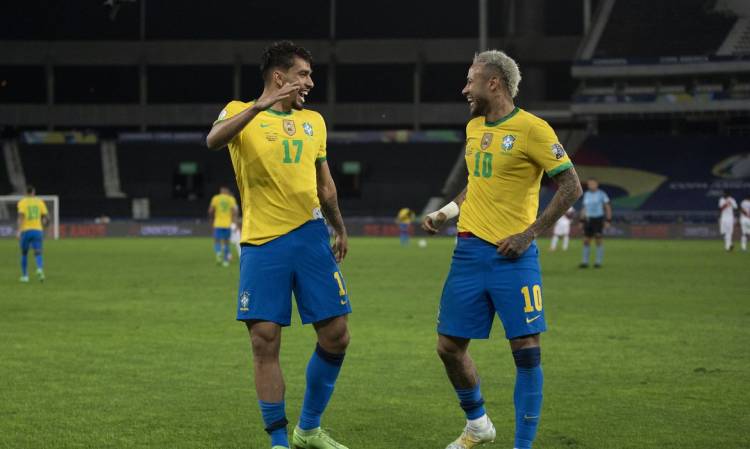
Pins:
x,y
459,199
568,192
329,204
224,131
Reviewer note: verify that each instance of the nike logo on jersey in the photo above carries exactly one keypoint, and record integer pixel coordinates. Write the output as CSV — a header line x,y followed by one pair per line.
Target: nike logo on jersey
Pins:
x,y
265,125
531,320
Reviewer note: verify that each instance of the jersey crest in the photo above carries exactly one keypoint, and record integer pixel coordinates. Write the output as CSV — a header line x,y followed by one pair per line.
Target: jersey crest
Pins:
x,y
508,142
486,140
289,127
307,128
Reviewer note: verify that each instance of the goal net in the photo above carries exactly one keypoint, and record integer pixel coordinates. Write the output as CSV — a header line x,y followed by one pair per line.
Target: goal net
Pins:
x,y
9,215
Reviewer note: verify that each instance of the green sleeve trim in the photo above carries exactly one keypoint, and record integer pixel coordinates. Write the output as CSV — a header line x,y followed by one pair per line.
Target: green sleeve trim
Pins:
x,y
560,169
321,159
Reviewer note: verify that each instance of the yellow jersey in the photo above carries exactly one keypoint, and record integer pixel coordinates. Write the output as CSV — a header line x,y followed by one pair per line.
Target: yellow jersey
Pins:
x,y
274,159
223,206
506,159
32,209
404,216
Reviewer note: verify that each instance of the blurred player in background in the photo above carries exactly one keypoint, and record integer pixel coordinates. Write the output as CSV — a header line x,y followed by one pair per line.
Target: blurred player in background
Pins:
x,y
562,230
404,219
495,267
223,209
278,151
236,238
596,216
727,205
32,218
745,221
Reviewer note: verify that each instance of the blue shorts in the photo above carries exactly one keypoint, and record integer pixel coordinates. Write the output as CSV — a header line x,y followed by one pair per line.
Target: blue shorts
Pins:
x,y
403,228
483,282
31,239
222,233
301,262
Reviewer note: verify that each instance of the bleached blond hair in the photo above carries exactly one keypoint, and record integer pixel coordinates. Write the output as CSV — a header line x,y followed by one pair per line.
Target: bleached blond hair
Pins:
x,y
505,65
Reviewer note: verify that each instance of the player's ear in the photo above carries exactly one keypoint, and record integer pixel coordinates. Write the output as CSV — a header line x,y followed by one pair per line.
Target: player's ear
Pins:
x,y
278,78
494,83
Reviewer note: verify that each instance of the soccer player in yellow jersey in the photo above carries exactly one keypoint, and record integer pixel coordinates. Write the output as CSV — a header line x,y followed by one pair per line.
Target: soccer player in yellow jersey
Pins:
x,y
32,218
404,219
223,208
495,267
278,151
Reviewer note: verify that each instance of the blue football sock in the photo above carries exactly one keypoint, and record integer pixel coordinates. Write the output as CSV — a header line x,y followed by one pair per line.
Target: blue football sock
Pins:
x,y
599,254
472,402
226,251
217,247
274,417
322,371
38,258
24,265
586,253
527,395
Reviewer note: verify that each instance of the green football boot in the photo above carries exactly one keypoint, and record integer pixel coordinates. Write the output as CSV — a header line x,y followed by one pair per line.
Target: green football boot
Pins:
x,y
279,447
24,279
40,274
314,439
219,259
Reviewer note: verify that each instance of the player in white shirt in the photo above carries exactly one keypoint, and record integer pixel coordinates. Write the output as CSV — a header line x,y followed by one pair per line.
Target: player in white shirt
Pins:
x,y
727,205
562,230
745,221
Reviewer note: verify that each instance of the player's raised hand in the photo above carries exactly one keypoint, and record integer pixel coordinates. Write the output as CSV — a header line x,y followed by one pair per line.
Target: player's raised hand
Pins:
x,y
433,222
516,244
340,247
269,99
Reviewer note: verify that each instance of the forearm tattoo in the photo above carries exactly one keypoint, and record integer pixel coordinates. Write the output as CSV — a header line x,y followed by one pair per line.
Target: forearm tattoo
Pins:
x,y
568,192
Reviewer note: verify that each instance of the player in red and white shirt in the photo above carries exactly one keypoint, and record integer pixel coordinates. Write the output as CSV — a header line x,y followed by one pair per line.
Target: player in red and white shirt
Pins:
x,y
562,230
727,205
745,221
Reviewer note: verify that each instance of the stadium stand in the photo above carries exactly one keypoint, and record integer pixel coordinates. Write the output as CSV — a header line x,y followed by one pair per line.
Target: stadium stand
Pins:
x,y
5,187
667,173
637,28
393,175
65,170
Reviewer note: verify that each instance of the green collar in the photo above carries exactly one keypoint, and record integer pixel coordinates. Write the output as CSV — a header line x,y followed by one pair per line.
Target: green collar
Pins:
x,y
280,114
502,119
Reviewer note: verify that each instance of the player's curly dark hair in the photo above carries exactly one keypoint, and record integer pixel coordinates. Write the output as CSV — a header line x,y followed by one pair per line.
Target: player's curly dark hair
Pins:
x,y
281,55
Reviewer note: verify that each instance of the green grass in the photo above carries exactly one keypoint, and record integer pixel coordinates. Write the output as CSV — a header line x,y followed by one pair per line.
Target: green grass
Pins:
x,y
132,343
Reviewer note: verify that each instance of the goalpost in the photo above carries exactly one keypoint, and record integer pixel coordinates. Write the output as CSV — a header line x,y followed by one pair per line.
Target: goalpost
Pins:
x,y
9,214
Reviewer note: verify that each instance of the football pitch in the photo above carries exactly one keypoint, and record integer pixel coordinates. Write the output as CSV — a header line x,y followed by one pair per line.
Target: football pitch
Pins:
x,y
132,343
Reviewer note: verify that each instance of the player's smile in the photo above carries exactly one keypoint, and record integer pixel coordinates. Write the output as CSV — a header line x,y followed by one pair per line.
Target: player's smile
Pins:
x,y
302,94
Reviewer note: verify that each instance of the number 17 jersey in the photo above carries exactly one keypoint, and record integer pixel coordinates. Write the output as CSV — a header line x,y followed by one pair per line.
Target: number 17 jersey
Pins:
x,y
274,159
